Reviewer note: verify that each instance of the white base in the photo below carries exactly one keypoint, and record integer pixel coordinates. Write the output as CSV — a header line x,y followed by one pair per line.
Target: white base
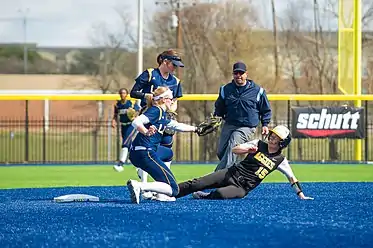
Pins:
x,y
76,198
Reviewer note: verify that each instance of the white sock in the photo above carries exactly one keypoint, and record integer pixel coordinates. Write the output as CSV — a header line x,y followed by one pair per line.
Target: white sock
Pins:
x,y
168,164
143,175
124,154
159,187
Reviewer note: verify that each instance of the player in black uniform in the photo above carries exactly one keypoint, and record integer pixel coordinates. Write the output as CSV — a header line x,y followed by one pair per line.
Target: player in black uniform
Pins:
x,y
238,180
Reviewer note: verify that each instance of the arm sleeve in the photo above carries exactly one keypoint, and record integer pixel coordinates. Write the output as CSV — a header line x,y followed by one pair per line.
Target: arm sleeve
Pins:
x,y
141,119
285,169
174,125
250,144
265,109
220,108
140,83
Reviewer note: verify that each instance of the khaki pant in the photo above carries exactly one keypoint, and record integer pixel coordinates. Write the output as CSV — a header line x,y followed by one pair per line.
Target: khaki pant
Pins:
x,y
230,137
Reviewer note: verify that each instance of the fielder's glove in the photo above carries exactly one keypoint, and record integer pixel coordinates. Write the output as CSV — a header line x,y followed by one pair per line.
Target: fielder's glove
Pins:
x,y
210,125
131,114
170,115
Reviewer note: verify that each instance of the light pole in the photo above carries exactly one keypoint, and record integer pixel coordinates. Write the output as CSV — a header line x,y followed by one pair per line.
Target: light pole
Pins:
x,y
24,28
175,23
25,68
140,21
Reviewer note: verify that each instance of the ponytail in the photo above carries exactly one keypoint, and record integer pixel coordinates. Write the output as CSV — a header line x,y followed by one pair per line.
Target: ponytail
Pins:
x,y
149,100
160,59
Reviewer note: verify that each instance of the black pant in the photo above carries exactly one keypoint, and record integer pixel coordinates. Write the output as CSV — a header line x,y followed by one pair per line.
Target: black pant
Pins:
x,y
223,181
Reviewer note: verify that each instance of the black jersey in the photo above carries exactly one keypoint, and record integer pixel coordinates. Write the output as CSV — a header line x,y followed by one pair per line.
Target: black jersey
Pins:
x,y
256,166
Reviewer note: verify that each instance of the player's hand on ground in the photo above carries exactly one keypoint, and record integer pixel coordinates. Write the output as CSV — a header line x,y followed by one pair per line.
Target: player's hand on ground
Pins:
x,y
265,130
151,131
303,197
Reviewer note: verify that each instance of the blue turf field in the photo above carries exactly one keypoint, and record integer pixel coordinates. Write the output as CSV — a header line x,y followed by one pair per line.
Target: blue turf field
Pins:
x,y
271,216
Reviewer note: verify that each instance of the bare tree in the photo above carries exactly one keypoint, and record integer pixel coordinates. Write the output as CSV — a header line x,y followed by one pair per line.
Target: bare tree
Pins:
x,y
292,54
106,64
298,53
214,36
330,10
276,59
315,47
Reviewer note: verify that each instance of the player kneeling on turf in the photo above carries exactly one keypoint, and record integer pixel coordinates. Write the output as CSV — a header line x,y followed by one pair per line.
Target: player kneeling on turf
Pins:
x,y
144,153
238,180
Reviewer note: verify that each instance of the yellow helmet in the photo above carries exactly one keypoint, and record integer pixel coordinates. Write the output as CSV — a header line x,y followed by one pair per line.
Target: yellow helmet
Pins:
x,y
283,133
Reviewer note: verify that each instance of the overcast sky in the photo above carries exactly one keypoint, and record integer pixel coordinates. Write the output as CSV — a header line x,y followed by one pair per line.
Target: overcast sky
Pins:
x,y
70,22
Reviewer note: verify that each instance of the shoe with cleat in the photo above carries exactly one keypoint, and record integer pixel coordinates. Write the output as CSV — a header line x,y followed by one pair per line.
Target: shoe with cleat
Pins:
x,y
135,191
148,195
200,195
118,167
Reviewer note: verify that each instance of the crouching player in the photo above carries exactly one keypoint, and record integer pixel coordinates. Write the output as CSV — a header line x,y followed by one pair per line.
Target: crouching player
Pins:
x,y
238,180
145,154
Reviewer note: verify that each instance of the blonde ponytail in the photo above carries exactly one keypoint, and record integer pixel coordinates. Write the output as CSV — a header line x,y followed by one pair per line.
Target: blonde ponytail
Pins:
x,y
149,100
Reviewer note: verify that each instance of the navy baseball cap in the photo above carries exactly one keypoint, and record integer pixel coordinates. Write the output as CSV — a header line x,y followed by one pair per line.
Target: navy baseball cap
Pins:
x,y
239,67
176,60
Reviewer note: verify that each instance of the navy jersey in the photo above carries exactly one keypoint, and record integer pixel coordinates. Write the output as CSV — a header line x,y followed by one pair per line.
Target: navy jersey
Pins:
x,y
243,106
157,118
120,108
151,79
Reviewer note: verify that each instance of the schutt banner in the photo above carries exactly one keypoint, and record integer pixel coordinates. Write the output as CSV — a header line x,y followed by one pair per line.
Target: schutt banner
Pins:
x,y
327,122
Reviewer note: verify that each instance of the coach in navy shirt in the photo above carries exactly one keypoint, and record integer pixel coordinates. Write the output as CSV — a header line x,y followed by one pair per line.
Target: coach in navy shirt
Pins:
x,y
243,105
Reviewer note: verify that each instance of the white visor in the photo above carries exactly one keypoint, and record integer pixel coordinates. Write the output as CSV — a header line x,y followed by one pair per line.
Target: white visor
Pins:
x,y
166,94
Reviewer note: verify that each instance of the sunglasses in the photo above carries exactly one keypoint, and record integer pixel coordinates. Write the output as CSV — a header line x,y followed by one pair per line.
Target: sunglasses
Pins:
x,y
238,73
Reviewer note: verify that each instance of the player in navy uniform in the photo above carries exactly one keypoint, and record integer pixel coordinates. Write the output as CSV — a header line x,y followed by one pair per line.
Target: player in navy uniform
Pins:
x,y
153,78
143,154
126,111
238,180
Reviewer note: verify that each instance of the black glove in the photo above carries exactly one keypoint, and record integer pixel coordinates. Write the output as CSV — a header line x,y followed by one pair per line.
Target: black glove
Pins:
x,y
210,125
170,115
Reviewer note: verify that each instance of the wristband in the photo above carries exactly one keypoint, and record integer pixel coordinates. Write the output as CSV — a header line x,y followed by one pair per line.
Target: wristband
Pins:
x,y
297,188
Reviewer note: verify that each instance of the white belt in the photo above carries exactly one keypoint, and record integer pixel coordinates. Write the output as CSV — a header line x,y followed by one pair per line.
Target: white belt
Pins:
x,y
139,148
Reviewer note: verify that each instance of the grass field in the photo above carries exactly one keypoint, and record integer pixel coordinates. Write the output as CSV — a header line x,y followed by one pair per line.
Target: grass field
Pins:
x,y
66,145
97,175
